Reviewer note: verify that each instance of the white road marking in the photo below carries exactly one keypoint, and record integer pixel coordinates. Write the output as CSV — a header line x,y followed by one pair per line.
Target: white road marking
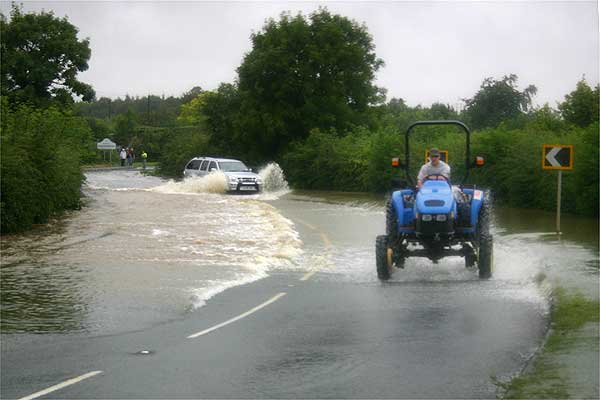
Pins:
x,y
308,275
61,385
255,309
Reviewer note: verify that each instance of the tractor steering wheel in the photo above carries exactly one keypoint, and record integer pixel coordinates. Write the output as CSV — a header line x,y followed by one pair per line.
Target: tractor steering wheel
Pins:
x,y
436,177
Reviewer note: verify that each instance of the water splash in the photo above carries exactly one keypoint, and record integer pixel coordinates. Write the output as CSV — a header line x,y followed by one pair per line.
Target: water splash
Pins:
x,y
273,178
215,182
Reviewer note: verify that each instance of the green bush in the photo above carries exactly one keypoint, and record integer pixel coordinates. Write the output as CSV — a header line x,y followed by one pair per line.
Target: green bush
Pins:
x,y
360,161
514,168
41,153
180,145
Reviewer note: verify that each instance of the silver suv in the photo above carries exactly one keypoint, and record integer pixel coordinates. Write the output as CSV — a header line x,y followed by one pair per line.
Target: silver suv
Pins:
x,y
239,176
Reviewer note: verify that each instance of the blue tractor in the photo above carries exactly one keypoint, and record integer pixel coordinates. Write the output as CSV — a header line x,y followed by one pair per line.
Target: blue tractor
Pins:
x,y
437,220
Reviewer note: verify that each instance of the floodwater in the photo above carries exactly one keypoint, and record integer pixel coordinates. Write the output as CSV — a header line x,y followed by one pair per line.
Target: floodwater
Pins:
x,y
144,251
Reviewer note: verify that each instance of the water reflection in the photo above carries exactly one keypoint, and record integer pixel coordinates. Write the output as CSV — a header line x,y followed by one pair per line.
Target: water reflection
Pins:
x,y
41,297
575,229
36,294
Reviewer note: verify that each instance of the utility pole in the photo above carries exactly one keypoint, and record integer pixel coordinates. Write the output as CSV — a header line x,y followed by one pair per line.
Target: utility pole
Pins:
x,y
148,108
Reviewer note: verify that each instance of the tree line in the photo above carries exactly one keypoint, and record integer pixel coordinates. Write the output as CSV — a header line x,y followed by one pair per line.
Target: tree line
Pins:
x,y
304,96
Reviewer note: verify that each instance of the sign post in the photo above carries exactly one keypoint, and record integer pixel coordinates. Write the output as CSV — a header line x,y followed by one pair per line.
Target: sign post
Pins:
x,y
558,195
558,157
106,144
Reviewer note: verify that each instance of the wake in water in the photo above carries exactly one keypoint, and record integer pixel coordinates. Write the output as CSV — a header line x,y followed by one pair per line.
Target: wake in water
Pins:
x,y
215,182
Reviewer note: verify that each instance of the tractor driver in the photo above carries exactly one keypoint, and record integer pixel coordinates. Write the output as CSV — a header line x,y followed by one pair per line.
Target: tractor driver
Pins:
x,y
435,166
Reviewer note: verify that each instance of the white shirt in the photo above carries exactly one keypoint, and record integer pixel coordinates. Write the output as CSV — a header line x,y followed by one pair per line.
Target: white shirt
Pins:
x,y
429,169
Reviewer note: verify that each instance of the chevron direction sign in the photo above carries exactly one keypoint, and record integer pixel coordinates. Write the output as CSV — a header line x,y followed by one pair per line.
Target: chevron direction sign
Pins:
x,y
557,156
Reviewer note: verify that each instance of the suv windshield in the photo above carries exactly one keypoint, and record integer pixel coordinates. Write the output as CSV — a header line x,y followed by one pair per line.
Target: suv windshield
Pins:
x,y
233,166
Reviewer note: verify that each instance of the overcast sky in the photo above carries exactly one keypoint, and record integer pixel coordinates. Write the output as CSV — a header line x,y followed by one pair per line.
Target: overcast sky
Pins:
x,y
433,51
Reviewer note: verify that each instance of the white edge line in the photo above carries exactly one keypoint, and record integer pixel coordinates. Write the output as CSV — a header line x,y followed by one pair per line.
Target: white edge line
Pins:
x,y
61,385
255,309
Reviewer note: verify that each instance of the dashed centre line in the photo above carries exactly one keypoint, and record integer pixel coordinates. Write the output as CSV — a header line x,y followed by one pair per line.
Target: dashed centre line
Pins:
x,y
247,313
80,378
61,385
325,240
308,275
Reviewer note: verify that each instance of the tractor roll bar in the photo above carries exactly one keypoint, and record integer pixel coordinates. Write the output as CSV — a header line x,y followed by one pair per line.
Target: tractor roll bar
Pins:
x,y
443,122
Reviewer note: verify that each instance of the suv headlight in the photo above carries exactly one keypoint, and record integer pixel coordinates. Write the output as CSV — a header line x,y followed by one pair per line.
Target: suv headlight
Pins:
x,y
233,179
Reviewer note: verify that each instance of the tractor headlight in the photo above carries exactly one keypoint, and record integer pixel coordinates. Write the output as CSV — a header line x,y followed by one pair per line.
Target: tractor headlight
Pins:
x,y
426,217
440,217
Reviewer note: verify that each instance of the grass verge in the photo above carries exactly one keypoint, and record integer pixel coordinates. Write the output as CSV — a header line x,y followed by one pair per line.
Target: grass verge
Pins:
x,y
561,369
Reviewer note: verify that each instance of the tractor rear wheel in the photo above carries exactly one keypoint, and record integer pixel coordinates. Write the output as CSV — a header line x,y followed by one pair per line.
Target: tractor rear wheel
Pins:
x,y
381,257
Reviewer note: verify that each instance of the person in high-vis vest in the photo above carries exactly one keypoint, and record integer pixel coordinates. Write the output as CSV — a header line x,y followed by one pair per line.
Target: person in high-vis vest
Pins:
x,y
144,158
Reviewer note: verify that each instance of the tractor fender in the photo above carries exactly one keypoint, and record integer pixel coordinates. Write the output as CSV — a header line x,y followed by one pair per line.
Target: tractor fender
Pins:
x,y
404,211
479,196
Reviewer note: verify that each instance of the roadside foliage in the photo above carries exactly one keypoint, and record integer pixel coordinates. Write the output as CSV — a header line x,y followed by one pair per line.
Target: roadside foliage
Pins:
x,y
304,97
41,151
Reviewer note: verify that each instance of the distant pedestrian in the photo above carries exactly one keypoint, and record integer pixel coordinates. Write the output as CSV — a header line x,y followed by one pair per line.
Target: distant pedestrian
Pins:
x,y
123,156
144,158
129,157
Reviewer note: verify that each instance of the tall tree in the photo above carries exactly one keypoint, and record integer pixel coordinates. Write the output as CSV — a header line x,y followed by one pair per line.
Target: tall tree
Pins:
x,y
304,73
191,94
498,101
442,111
125,127
41,57
581,106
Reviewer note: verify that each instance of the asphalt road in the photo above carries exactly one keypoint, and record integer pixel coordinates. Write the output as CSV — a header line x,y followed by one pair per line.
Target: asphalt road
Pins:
x,y
326,331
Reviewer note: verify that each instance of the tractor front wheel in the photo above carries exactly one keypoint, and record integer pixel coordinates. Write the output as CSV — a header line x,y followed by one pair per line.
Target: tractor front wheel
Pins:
x,y
485,242
391,222
486,256
382,258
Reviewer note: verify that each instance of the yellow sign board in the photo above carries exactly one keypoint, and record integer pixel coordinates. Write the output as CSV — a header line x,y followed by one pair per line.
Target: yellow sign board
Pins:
x,y
443,156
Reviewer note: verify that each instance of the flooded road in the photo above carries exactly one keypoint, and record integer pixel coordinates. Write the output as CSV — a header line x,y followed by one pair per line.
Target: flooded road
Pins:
x,y
149,261
141,252
144,250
